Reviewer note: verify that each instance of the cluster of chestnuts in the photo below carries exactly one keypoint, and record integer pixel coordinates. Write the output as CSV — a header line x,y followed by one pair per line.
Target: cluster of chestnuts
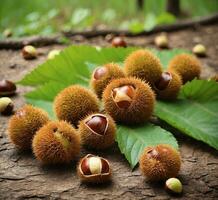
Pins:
x,y
7,89
128,95
29,52
162,42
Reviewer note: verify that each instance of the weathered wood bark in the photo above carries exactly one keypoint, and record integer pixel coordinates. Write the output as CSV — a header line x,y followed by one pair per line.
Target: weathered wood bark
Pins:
x,y
21,176
173,7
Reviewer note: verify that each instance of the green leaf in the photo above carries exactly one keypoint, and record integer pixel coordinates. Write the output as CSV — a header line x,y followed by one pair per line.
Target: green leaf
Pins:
x,y
166,55
132,140
45,105
196,111
46,92
70,67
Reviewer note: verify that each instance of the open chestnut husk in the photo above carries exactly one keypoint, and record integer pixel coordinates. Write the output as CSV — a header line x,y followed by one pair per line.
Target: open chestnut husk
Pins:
x,y
97,131
94,169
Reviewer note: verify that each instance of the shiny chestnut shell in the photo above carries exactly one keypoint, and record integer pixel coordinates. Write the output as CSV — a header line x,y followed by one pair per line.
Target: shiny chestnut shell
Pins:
x,y
118,42
97,131
164,81
94,178
7,88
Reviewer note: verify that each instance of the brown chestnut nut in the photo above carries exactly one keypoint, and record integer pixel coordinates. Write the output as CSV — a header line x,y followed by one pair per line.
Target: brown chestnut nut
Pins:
x,y
29,52
99,72
97,131
94,169
7,88
168,86
6,106
118,42
164,81
123,96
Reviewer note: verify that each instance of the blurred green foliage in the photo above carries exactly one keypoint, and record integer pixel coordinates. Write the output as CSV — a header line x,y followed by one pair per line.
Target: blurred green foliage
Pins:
x,y
28,17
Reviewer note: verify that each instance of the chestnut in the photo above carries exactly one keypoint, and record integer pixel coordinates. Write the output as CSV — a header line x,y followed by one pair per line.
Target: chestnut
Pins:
x,y
29,52
97,131
94,169
7,88
6,106
99,72
123,96
161,41
118,42
98,124
173,186
164,81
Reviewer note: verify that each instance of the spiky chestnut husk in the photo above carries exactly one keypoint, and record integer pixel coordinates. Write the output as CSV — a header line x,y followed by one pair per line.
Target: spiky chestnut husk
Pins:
x,y
168,86
103,75
97,131
143,64
99,176
160,162
187,66
56,143
74,103
24,124
129,100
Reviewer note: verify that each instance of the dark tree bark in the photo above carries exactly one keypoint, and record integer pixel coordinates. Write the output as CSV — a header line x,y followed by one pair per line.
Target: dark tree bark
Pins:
x,y
173,7
140,4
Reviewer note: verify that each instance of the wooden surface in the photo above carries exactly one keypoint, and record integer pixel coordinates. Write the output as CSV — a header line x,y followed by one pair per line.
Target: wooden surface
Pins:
x,y
21,176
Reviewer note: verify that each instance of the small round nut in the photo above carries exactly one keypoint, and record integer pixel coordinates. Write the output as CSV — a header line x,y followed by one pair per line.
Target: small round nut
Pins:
x,y
174,186
6,106
161,41
118,42
53,53
123,96
164,81
99,72
199,50
94,169
7,88
98,124
29,52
